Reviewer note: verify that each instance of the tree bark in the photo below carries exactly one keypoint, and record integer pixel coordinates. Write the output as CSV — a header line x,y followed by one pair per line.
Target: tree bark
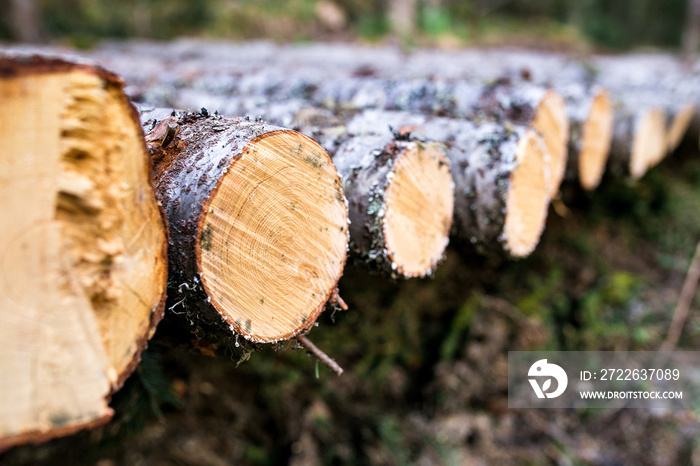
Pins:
x,y
532,106
590,132
83,246
691,32
639,139
400,191
258,221
500,174
400,195
25,22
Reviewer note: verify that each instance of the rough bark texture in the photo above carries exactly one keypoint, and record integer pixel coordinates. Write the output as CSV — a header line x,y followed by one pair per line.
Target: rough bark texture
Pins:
x,y
258,224
489,214
405,185
534,107
590,133
639,140
655,82
403,234
83,246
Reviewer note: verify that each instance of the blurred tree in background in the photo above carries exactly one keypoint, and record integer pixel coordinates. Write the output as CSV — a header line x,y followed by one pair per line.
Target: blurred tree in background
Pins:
x,y
611,24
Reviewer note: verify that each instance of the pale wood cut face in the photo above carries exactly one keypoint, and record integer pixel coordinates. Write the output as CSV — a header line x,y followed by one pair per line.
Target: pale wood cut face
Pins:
x,y
553,124
596,138
679,125
111,223
419,203
649,142
273,237
527,199
82,243
52,361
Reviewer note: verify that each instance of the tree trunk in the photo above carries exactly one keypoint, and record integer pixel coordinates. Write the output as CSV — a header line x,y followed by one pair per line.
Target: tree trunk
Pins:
x,y
83,246
590,133
639,140
652,90
400,191
531,106
691,32
26,24
524,104
258,221
400,195
500,175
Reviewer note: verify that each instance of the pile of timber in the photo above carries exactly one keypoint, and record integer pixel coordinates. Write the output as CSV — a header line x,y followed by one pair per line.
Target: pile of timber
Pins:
x,y
245,224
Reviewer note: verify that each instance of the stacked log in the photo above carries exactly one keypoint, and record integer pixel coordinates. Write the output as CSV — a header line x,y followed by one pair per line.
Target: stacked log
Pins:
x,y
400,195
532,106
259,224
83,246
591,128
487,154
501,177
656,106
639,139
258,218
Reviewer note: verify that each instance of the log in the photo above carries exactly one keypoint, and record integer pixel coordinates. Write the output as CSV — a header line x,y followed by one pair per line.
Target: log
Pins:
x,y
657,87
83,246
590,132
500,174
400,191
400,195
639,139
522,103
532,106
682,118
259,224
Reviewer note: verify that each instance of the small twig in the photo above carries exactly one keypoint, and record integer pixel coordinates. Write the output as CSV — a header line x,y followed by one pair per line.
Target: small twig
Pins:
x,y
341,303
336,299
323,357
559,207
680,315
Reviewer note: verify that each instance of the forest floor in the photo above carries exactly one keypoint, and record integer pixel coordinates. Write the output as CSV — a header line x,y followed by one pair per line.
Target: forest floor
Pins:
x,y
426,360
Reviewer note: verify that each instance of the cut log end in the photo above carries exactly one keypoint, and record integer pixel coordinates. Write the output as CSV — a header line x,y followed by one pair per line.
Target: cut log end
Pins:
x,y
596,138
679,125
528,198
649,142
83,248
552,122
419,206
272,238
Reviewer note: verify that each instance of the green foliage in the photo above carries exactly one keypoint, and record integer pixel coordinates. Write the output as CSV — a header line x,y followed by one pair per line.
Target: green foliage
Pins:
x,y
83,22
435,21
392,440
616,25
605,314
372,27
659,209
458,329
143,396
